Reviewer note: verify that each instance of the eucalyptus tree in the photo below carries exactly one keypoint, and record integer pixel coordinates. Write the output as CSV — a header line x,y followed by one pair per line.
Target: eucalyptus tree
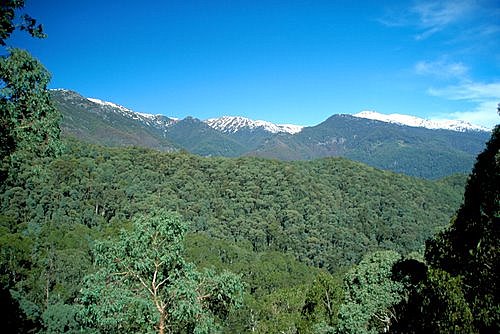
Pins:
x,y
143,284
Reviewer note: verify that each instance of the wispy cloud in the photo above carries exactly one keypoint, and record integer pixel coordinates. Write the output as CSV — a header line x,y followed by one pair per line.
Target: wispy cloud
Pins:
x,y
441,69
485,96
429,16
483,114
460,29
475,91
433,16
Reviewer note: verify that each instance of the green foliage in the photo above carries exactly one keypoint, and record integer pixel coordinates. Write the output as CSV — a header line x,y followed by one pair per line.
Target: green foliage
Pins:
x,y
142,282
51,276
436,304
459,293
36,272
371,295
252,216
457,181
29,124
444,307
278,312
322,303
328,213
15,249
61,318
276,283
8,24
263,272
470,247
244,214
410,150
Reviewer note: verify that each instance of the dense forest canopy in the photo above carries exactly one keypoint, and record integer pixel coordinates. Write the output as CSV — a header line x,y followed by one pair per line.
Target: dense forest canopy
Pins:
x,y
326,213
107,240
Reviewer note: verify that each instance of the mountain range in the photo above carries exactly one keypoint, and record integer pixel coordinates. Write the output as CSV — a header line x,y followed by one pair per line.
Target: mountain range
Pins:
x,y
400,143
454,125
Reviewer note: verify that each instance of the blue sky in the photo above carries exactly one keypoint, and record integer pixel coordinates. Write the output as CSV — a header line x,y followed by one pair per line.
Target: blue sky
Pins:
x,y
283,61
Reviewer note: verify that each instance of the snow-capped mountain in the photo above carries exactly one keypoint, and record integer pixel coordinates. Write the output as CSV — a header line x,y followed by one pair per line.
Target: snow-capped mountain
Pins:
x,y
109,104
393,146
454,125
106,123
225,124
232,124
149,119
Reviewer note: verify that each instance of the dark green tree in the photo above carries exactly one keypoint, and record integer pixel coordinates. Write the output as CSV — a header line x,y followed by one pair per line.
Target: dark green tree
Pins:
x,y
47,290
29,128
435,304
322,303
8,20
29,123
143,284
470,247
15,249
371,295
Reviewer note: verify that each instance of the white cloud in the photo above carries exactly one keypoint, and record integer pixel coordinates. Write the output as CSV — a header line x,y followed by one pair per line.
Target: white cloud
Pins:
x,y
475,91
441,69
434,16
467,27
431,16
485,96
484,114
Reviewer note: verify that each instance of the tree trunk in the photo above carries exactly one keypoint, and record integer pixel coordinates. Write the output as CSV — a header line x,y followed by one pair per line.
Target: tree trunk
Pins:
x,y
161,324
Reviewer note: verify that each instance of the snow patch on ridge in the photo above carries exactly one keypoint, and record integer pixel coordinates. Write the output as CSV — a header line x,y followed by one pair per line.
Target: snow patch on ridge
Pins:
x,y
109,104
454,125
232,124
149,119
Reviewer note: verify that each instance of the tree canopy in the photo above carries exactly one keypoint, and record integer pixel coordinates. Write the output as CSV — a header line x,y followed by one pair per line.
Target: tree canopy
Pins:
x,y
91,239
470,247
143,284
29,123
8,20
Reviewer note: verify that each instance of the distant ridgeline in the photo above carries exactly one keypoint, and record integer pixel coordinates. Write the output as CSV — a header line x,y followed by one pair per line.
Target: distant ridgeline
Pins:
x,y
366,137
281,225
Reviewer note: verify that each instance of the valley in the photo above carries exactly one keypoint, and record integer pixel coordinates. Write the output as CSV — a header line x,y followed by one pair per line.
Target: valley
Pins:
x,y
219,221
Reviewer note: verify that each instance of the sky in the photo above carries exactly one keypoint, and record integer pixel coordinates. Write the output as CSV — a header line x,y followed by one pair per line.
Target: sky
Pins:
x,y
296,62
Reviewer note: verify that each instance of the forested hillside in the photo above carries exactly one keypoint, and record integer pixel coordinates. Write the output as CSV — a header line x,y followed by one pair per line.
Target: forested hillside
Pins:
x,y
102,124
97,239
326,213
410,150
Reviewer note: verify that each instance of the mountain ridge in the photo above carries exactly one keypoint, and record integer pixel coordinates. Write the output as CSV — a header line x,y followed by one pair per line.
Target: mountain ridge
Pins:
x,y
232,124
409,120
105,124
236,123
412,150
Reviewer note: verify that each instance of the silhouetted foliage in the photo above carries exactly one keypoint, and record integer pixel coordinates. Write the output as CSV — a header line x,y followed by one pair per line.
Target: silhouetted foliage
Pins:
x,y
8,23
470,247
